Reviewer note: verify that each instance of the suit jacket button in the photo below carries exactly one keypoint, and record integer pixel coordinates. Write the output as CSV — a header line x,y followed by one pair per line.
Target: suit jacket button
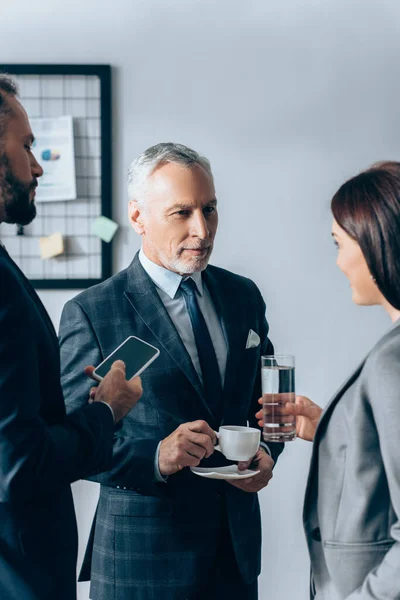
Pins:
x,y
316,534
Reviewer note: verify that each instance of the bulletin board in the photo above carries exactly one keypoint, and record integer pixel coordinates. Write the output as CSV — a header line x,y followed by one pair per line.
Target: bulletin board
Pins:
x,y
82,92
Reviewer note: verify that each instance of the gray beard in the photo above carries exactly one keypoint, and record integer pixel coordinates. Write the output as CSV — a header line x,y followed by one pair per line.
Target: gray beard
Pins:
x,y
177,265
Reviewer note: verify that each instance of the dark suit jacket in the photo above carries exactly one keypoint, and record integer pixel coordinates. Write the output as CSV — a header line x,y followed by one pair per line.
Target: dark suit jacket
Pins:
x,y
41,449
159,539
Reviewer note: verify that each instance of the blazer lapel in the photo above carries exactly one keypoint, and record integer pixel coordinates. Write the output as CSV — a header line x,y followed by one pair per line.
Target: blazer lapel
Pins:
x,y
334,400
227,313
310,500
144,299
35,298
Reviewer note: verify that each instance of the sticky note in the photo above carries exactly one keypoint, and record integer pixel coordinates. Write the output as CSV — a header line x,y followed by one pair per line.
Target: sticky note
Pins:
x,y
104,228
51,246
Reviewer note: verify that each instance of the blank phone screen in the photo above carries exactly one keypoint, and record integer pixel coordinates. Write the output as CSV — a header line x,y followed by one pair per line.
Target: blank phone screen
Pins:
x,y
135,355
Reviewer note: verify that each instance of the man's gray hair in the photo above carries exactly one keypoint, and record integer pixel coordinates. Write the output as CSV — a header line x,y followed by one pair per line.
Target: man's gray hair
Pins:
x,y
155,156
8,87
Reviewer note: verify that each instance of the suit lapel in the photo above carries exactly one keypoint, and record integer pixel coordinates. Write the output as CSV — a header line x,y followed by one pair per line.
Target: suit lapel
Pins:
x,y
35,298
334,400
310,500
145,301
227,314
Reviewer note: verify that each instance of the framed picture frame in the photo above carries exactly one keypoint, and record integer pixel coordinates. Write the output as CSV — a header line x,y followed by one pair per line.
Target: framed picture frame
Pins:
x,y
83,94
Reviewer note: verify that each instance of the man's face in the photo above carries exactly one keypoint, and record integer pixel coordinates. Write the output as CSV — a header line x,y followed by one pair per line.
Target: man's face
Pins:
x,y
19,170
179,218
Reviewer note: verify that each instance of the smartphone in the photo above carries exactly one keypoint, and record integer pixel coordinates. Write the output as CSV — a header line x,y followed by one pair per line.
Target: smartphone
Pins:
x,y
136,354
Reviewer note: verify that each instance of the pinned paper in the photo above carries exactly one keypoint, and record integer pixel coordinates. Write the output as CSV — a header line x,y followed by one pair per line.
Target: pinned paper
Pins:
x,y
51,246
51,155
54,144
104,228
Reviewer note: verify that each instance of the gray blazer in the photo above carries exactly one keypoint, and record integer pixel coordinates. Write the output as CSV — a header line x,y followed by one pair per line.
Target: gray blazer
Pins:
x,y
352,503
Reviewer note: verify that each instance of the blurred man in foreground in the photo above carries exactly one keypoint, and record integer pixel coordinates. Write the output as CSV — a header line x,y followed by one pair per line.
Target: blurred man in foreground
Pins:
x,y
41,449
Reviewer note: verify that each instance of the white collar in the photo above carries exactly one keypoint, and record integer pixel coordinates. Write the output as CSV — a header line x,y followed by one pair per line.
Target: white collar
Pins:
x,y
167,280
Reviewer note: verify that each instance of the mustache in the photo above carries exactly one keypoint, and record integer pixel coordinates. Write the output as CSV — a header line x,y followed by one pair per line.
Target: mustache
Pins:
x,y
200,246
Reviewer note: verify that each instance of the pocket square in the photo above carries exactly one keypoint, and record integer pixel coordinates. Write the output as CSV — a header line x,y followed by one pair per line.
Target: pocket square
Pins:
x,y
253,340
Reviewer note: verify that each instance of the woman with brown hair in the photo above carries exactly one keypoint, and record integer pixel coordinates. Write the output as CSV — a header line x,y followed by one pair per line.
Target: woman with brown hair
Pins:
x,y
352,504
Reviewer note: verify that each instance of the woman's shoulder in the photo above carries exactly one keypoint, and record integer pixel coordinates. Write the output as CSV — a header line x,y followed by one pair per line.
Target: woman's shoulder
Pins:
x,y
384,357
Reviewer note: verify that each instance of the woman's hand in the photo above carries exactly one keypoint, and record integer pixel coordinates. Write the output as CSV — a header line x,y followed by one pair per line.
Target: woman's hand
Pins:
x,y
307,416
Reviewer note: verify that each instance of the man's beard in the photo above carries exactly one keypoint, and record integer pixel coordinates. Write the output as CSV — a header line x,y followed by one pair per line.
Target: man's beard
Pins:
x,y
188,265
15,195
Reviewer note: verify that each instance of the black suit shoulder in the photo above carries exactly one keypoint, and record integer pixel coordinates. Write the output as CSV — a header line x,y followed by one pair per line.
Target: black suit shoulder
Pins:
x,y
231,278
10,278
236,285
111,290
106,290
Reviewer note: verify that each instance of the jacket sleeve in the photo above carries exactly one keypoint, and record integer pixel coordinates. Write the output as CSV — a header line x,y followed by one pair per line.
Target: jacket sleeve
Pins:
x,y
37,454
382,391
275,448
133,457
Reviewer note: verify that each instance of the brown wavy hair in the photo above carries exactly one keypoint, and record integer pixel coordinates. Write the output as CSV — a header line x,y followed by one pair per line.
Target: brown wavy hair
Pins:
x,y
367,207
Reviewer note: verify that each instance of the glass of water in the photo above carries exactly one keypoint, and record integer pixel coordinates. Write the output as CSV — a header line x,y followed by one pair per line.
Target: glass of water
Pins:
x,y
278,388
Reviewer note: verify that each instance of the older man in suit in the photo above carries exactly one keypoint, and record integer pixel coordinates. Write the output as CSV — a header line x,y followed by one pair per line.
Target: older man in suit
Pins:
x,y
161,531
41,449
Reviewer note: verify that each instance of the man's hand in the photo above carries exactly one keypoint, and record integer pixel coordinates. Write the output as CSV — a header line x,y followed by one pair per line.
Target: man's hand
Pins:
x,y
115,390
262,462
186,447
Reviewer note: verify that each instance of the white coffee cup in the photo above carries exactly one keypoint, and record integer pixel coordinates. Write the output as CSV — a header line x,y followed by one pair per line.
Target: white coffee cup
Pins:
x,y
238,443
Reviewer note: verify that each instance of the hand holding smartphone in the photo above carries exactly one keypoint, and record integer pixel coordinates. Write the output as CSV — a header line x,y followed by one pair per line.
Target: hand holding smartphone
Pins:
x,y
134,352
115,390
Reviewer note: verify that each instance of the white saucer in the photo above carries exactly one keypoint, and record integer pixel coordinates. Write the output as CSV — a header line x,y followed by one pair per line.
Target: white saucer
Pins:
x,y
229,472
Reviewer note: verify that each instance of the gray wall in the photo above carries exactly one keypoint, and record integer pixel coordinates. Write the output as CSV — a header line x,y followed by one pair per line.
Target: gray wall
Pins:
x,y
287,99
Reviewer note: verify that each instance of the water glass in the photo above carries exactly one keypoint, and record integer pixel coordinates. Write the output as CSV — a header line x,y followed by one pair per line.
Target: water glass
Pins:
x,y
278,388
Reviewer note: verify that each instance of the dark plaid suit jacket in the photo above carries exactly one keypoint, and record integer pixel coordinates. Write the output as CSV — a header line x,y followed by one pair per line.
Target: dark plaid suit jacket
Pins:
x,y
41,449
150,539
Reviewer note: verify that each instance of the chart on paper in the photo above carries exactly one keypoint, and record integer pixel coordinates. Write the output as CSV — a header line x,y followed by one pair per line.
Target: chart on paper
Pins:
x,y
65,114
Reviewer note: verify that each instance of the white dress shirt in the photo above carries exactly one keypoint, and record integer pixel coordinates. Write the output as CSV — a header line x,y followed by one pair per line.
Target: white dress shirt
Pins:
x,y
167,284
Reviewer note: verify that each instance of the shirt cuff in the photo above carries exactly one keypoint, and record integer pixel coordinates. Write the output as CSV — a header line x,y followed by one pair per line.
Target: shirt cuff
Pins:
x,y
265,447
157,473
110,407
